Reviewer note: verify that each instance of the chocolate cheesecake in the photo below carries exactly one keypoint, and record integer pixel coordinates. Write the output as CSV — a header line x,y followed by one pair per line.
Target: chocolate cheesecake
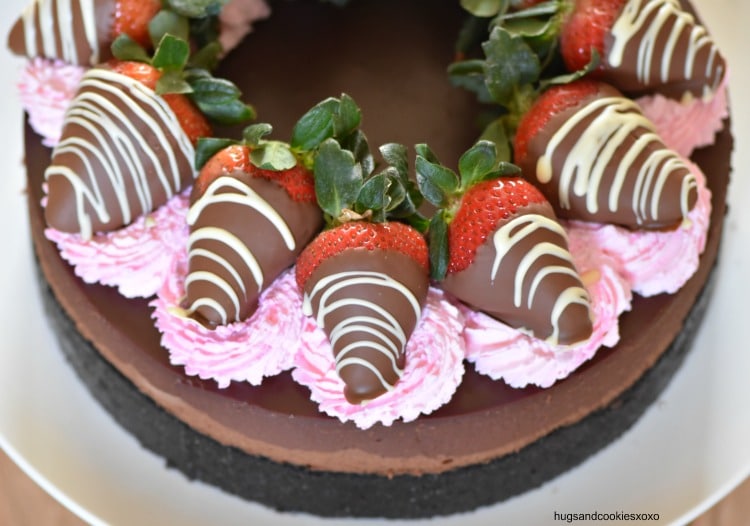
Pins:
x,y
270,443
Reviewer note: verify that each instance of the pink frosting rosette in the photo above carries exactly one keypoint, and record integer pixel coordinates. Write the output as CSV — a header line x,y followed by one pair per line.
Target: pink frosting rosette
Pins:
x,y
247,351
687,125
502,352
434,369
135,259
660,261
45,89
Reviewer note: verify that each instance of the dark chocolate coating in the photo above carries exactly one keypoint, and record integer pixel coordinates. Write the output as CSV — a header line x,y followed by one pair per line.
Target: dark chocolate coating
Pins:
x,y
255,231
607,134
100,180
361,326
554,268
669,53
68,39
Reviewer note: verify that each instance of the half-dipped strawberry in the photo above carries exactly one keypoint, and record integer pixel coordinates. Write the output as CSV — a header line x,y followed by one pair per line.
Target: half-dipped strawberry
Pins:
x,y
365,278
247,225
127,143
253,209
365,284
597,158
644,45
496,245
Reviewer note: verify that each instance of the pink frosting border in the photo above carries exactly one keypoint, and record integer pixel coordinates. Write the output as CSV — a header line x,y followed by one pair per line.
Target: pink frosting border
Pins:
x,y
675,121
434,369
502,352
45,88
657,262
135,259
248,351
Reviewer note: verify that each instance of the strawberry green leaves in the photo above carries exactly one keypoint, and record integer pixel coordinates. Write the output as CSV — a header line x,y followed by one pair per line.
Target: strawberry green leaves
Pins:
x,y
442,187
196,8
485,8
329,131
331,118
348,190
218,99
520,57
338,179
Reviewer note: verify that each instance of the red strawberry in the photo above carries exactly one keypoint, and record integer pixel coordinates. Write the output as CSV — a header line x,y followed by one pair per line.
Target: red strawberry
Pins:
x,y
391,236
128,139
644,45
496,245
192,121
247,225
586,30
597,158
132,17
297,181
365,284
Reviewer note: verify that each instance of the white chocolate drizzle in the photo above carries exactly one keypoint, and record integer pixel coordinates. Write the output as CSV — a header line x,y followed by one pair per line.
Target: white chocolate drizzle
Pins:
x,y
229,190
116,110
53,22
653,18
613,120
381,324
514,232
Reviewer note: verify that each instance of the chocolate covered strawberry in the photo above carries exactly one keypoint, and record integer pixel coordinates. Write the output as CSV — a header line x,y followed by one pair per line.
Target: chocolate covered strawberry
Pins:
x,y
597,158
247,225
644,45
253,209
639,46
128,137
496,245
365,278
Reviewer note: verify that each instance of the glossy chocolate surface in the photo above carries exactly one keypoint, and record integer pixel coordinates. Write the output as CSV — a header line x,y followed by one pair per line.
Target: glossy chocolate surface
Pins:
x,y
353,289
122,153
602,161
240,222
500,284
656,45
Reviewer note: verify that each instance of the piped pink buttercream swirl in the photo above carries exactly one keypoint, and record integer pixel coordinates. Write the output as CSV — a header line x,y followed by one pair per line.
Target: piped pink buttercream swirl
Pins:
x,y
657,262
434,369
137,258
502,352
46,88
685,126
248,351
